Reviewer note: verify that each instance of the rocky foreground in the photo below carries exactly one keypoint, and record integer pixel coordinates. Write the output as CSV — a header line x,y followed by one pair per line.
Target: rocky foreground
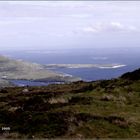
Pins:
x,y
11,69
100,109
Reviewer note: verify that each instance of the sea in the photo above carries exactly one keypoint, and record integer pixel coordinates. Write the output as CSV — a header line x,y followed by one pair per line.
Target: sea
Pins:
x,y
128,56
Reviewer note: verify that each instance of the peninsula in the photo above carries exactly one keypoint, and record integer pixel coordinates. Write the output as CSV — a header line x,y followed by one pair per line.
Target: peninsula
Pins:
x,y
11,69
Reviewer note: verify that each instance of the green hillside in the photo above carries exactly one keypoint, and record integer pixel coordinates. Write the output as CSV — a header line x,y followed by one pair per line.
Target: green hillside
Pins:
x,y
100,109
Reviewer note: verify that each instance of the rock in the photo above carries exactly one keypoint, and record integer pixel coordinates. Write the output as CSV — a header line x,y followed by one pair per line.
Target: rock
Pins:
x,y
108,98
26,90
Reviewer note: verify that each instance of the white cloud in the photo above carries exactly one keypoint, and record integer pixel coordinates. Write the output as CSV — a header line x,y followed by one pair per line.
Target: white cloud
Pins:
x,y
90,29
80,15
109,27
116,25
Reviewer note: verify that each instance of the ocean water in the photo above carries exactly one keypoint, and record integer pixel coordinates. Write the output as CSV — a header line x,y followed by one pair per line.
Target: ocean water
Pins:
x,y
32,83
123,55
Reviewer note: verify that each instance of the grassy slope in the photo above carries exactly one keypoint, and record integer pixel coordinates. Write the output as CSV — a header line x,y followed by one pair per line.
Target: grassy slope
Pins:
x,y
79,110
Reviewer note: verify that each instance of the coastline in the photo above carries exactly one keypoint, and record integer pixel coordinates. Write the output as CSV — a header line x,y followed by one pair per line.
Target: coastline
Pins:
x,y
12,69
76,66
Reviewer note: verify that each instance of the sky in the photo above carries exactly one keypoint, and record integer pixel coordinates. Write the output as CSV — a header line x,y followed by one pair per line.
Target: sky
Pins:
x,y
69,24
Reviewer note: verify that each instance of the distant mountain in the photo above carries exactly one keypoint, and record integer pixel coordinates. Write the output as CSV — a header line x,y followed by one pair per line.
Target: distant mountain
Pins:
x,y
18,69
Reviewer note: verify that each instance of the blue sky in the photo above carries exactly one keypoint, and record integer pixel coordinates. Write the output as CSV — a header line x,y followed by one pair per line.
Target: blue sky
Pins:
x,y
70,24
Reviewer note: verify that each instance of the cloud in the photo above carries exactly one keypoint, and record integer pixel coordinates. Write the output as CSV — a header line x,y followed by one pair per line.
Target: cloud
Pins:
x,y
116,26
80,15
109,27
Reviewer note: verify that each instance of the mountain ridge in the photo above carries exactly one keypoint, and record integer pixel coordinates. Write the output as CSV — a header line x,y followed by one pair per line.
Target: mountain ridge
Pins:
x,y
134,75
